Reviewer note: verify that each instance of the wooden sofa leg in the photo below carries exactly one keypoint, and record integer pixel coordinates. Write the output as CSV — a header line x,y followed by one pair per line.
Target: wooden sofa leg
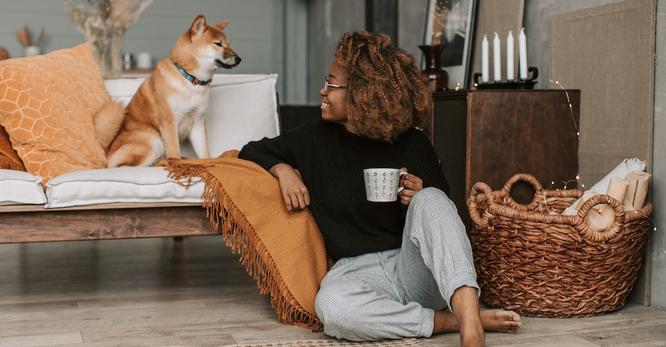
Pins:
x,y
178,239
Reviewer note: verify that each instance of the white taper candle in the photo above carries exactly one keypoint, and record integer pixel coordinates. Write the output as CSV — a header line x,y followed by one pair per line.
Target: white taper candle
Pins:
x,y
522,51
510,76
484,59
497,58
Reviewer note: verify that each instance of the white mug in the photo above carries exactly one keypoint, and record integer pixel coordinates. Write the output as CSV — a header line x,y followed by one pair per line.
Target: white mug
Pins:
x,y
382,185
144,60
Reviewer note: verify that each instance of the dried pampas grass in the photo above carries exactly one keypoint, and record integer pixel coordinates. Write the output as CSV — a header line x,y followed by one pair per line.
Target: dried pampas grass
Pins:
x,y
24,37
438,24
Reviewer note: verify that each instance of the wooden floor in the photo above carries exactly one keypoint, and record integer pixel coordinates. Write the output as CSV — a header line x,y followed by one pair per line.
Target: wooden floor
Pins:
x,y
156,292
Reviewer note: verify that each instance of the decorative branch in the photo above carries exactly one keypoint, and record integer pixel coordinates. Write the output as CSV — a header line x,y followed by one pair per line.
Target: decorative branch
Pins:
x,y
23,36
3,54
439,22
103,23
40,37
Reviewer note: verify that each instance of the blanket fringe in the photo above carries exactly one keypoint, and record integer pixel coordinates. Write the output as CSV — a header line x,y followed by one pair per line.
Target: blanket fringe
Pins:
x,y
241,238
187,171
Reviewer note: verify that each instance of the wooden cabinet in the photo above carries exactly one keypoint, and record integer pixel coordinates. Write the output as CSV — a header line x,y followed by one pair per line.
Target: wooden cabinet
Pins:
x,y
491,135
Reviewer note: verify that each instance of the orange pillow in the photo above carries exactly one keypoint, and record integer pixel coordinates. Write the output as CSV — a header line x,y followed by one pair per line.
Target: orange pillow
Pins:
x,y
47,105
8,157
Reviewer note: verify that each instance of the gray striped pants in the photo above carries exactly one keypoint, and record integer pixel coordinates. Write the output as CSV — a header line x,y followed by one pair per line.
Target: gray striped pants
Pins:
x,y
393,294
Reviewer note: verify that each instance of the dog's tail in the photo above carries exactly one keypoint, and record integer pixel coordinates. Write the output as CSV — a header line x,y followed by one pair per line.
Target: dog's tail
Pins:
x,y
108,122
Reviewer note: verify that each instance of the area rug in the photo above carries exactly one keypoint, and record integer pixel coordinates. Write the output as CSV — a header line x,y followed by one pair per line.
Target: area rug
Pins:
x,y
336,343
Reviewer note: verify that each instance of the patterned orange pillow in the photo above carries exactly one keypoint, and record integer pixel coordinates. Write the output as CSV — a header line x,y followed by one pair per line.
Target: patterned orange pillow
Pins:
x,y
47,105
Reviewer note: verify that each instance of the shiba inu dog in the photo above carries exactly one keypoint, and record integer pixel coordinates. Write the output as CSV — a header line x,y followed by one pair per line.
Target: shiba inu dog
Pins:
x,y
169,106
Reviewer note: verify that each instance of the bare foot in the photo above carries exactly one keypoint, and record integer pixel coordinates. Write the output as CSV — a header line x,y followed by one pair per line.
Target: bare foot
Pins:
x,y
500,321
492,320
471,335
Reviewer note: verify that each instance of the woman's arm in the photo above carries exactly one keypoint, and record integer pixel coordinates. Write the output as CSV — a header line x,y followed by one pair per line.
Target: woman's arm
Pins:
x,y
280,156
269,152
426,165
294,191
423,171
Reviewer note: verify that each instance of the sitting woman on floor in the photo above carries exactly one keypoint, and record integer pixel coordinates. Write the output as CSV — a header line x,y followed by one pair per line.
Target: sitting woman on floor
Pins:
x,y
403,268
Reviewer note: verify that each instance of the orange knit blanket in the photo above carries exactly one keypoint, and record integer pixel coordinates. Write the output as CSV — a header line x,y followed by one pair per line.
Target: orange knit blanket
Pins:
x,y
283,251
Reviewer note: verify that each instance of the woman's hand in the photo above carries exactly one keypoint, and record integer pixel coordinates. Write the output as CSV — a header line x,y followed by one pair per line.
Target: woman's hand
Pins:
x,y
412,184
294,192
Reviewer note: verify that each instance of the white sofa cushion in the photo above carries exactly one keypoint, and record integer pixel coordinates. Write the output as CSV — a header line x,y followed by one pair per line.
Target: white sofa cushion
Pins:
x,y
242,108
18,187
118,185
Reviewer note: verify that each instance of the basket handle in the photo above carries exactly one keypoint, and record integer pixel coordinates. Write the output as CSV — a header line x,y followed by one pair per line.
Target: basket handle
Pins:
x,y
525,178
597,236
479,191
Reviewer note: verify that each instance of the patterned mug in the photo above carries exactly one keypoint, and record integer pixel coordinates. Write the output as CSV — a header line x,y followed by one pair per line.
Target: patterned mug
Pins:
x,y
382,185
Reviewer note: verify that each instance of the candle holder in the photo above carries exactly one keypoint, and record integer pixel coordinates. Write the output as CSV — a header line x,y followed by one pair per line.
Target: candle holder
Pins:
x,y
528,83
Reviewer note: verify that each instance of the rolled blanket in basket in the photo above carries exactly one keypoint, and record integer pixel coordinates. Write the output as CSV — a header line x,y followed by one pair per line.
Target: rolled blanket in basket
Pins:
x,y
637,190
620,171
283,251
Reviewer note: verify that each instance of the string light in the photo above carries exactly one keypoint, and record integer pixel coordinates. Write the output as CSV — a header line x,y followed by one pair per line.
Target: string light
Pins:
x,y
575,124
654,224
566,183
566,93
577,180
545,203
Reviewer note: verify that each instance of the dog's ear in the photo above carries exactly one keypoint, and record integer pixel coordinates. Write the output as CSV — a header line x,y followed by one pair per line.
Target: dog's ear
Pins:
x,y
198,26
221,25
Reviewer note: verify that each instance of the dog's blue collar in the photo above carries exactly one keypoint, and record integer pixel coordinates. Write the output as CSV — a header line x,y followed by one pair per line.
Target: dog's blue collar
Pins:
x,y
194,80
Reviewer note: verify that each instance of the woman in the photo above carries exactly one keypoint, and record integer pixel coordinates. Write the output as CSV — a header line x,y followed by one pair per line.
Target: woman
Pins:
x,y
399,265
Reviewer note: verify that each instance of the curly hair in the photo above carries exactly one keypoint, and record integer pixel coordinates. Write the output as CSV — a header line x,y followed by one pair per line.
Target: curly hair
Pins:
x,y
386,92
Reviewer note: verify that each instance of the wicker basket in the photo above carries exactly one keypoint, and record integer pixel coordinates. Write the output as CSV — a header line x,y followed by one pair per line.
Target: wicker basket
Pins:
x,y
532,259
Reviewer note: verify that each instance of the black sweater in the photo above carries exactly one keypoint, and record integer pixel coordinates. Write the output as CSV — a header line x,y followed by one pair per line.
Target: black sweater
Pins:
x,y
331,161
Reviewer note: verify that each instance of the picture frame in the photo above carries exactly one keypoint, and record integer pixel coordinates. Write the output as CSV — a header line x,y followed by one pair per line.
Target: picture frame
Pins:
x,y
457,38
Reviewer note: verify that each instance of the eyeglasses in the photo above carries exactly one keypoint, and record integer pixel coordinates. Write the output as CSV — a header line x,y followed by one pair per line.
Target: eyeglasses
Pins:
x,y
328,86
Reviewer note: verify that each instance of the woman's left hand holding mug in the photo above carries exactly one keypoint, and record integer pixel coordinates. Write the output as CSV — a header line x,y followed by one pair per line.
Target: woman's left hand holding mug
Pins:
x,y
412,184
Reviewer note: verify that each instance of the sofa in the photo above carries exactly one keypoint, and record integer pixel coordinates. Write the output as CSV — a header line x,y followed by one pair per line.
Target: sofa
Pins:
x,y
136,202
